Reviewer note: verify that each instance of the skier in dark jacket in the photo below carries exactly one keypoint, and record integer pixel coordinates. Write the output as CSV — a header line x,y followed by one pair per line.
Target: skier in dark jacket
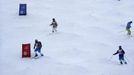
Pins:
x,y
37,48
128,27
54,25
121,53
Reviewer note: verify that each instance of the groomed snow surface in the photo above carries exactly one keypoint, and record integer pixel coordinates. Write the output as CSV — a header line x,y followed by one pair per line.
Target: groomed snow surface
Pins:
x,y
89,32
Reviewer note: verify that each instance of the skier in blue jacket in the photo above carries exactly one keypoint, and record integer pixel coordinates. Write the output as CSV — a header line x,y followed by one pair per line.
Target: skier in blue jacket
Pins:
x,y
128,27
121,53
37,48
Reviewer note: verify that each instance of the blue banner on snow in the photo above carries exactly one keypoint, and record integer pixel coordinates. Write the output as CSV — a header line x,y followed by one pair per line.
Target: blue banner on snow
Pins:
x,y
23,9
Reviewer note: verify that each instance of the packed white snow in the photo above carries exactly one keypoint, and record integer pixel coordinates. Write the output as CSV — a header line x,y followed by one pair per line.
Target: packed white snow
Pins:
x,y
89,32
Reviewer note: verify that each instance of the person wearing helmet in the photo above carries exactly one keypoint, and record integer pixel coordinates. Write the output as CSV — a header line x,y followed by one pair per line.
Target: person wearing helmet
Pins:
x,y
54,25
37,48
128,27
121,53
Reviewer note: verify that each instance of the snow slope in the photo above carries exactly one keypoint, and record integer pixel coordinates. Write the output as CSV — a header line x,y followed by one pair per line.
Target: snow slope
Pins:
x,y
89,32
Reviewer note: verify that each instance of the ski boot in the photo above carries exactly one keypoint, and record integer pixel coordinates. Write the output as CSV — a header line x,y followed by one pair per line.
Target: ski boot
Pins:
x,y
36,55
121,63
42,55
125,62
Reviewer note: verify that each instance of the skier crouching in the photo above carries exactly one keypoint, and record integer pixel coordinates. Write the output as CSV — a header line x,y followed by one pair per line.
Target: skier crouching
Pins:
x,y
121,53
37,48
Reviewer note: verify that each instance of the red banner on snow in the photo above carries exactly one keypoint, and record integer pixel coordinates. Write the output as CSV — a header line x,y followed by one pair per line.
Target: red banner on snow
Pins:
x,y
26,50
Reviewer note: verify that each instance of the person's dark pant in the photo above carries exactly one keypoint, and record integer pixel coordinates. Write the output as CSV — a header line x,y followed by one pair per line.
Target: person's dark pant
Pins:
x,y
54,29
122,60
38,50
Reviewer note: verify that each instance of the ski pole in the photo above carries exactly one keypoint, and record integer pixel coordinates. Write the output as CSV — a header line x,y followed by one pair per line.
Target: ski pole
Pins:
x,y
111,57
127,58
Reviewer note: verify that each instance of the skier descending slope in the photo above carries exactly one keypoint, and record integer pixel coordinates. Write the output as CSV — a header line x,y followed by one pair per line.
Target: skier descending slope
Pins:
x,y
121,53
128,27
37,48
54,25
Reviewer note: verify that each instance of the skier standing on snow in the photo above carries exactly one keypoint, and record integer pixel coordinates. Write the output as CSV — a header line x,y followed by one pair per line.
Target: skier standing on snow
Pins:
x,y
54,25
121,53
128,27
37,48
